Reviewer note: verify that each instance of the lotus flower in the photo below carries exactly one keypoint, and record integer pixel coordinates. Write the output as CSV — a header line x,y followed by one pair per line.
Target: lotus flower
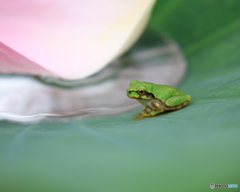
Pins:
x,y
67,38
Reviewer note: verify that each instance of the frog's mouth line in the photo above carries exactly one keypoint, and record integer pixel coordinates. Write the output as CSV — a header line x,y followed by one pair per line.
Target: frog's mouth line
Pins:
x,y
147,96
137,98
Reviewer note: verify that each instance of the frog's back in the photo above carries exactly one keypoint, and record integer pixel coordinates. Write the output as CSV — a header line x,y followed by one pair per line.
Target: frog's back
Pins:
x,y
164,92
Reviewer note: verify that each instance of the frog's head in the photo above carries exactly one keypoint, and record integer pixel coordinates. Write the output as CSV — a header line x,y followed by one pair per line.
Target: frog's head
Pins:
x,y
139,90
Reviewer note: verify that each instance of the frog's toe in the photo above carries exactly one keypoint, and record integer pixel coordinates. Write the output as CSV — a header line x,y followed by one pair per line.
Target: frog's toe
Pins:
x,y
137,117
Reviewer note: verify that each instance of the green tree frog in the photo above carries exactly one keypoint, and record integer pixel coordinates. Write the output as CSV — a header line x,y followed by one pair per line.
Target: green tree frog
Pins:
x,y
156,98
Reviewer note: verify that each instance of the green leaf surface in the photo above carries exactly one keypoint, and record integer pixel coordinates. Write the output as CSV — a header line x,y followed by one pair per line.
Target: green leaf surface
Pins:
x,y
184,150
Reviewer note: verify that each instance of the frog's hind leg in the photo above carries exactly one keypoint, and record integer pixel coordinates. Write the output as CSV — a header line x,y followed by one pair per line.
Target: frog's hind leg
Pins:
x,y
154,113
177,102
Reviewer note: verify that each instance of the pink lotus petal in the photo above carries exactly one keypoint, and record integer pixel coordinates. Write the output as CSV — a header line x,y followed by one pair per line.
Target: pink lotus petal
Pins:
x,y
13,62
68,39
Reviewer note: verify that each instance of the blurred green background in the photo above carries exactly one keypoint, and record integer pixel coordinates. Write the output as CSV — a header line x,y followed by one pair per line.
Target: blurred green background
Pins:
x,y
185,150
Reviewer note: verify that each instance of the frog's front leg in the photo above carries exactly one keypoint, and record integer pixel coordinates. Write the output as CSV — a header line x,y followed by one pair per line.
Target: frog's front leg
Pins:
x,y
149,112
145,111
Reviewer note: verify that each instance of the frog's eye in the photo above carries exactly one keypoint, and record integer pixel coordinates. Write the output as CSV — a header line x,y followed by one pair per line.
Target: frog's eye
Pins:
x,y
141,92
